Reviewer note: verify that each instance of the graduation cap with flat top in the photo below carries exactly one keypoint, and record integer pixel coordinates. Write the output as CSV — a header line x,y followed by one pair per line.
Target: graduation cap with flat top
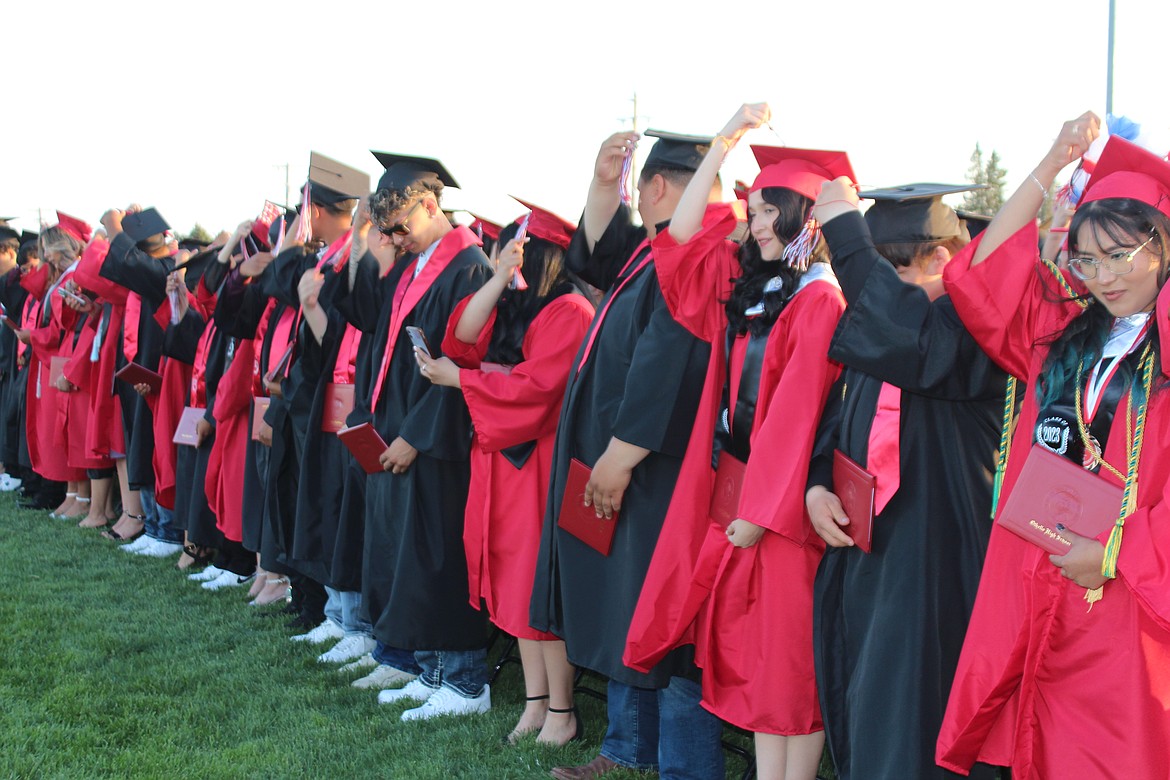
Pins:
x,y
332,182
914,213
404,171
141,225
8,234
678,151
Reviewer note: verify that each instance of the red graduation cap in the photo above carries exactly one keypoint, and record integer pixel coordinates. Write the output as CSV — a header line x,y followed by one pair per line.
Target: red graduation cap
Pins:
x,y
801,170
485,228
74,227
547,225
740,189
1126,170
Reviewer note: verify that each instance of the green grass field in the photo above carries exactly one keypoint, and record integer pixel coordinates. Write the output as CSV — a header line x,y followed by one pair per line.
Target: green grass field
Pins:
x,y
115,665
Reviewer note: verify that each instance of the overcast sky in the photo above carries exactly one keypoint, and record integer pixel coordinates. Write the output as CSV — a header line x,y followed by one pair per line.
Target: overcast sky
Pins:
x,y
196,108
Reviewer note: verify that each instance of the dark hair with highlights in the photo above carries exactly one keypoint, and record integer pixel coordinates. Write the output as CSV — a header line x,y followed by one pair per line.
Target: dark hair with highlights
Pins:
x,y
1121,220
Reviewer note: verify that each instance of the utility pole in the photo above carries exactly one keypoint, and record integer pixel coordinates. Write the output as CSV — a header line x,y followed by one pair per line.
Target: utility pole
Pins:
x,y
287,191
1109,70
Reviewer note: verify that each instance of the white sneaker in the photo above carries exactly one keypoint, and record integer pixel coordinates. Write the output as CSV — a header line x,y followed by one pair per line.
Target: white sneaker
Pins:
x,y
321,634
446,702
365,662
208,574
347,649
9,483
383,678
160,549
415,690
137,544
229,579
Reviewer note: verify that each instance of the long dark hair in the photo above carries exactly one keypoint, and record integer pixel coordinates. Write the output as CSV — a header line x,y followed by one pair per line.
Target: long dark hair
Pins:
x,y
1121,220
755,272
544,270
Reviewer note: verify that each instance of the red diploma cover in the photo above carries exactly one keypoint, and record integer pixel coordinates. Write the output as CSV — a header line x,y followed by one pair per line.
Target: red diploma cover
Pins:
x,y
277,371
56,369
582,521
366,446
135,374
10,323
1055,491
185,433
259,408
728,484
338,405
855,487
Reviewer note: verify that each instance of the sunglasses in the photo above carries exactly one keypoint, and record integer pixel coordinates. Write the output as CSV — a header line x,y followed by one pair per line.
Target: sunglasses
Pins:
x,y
1118,263
400,229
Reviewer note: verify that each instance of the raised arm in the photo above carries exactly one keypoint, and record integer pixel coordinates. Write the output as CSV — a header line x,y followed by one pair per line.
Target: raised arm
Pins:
x,y
479,309
688,214
605,189
1022,207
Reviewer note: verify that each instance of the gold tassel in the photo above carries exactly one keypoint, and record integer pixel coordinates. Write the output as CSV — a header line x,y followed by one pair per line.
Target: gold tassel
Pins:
x,y
1093,595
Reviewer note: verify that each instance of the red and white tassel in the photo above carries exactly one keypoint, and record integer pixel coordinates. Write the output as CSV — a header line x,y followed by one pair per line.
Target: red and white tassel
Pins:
x,y
799,251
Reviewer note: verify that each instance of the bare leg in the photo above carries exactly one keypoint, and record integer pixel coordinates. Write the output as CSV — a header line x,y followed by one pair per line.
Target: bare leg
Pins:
x,y
559,727
789,758
535,689
99,497
66,507
129,523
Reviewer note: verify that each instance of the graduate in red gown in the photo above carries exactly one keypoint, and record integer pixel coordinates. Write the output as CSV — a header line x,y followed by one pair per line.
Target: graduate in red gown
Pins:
x,y
769,309
510,350
1065,670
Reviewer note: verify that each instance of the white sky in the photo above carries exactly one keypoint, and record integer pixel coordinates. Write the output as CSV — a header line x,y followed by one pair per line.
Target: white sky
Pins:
x,y
196,107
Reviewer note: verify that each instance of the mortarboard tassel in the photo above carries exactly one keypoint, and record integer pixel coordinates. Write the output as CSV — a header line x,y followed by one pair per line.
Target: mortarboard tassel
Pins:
x,y
624,181
305,227
518,282
799,251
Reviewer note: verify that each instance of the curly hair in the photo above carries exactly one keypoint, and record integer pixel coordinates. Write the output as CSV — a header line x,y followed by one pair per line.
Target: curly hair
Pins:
x,y
385,202
748,288
1083,339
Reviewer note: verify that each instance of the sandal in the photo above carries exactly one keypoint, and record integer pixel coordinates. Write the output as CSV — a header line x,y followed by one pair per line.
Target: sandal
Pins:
x,y
578,734
285,596
200,556
61,516
114,536
514,736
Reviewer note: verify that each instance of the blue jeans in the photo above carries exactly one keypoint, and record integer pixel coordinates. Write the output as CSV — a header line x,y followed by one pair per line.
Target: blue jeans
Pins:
x,y
463,671
402,660
665,730
159,523
342,607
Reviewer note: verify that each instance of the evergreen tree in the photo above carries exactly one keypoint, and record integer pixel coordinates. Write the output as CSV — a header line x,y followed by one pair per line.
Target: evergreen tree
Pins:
x,y
985,201
199,233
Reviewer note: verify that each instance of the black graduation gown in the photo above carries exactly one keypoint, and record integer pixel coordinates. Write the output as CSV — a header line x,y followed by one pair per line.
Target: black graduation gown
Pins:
x,y
641,383
888,626
360,308
181,342
414,571
256,459
12,379
140,273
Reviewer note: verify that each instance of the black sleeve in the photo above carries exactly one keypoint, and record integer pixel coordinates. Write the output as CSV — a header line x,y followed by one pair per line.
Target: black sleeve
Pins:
x,y
214,274
129,266
601,266
181,339
283,275
361,305
240,305
894,332
820,469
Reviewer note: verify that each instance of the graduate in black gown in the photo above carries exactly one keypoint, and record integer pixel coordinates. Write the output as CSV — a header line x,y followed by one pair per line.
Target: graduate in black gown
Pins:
x,y
13,254
414,577
889,625
628,412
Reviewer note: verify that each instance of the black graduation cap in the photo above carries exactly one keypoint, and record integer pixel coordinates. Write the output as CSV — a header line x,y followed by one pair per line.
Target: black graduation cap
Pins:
x,y
193,243
674,150
914,213
8,234
144,224
28,235
196,265
976,223
404,171
331,182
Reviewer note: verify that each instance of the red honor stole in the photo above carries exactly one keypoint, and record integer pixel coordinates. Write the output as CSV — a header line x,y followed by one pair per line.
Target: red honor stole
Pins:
x,y
411,290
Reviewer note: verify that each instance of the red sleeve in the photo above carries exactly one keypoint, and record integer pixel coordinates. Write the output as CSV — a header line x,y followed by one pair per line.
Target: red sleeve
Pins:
x,y
696,277
203,300
509,409
467,355
1011,300
774,482
36,281
88,274
77,370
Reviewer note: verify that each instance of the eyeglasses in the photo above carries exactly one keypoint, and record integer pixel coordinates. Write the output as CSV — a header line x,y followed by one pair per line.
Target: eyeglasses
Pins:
x,y
1118,263
400,229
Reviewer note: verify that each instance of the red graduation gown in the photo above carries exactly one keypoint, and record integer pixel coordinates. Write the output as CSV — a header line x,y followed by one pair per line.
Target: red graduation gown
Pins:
x,y
505,505
753,632
49,429
1044,684
107,435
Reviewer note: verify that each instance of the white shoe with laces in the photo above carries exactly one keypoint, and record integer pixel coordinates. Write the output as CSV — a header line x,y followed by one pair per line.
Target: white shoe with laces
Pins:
x,y
365,662
229,579
137,544
447,702
321,634
160,549
8,483
415,690
382,678
208,574
348,649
